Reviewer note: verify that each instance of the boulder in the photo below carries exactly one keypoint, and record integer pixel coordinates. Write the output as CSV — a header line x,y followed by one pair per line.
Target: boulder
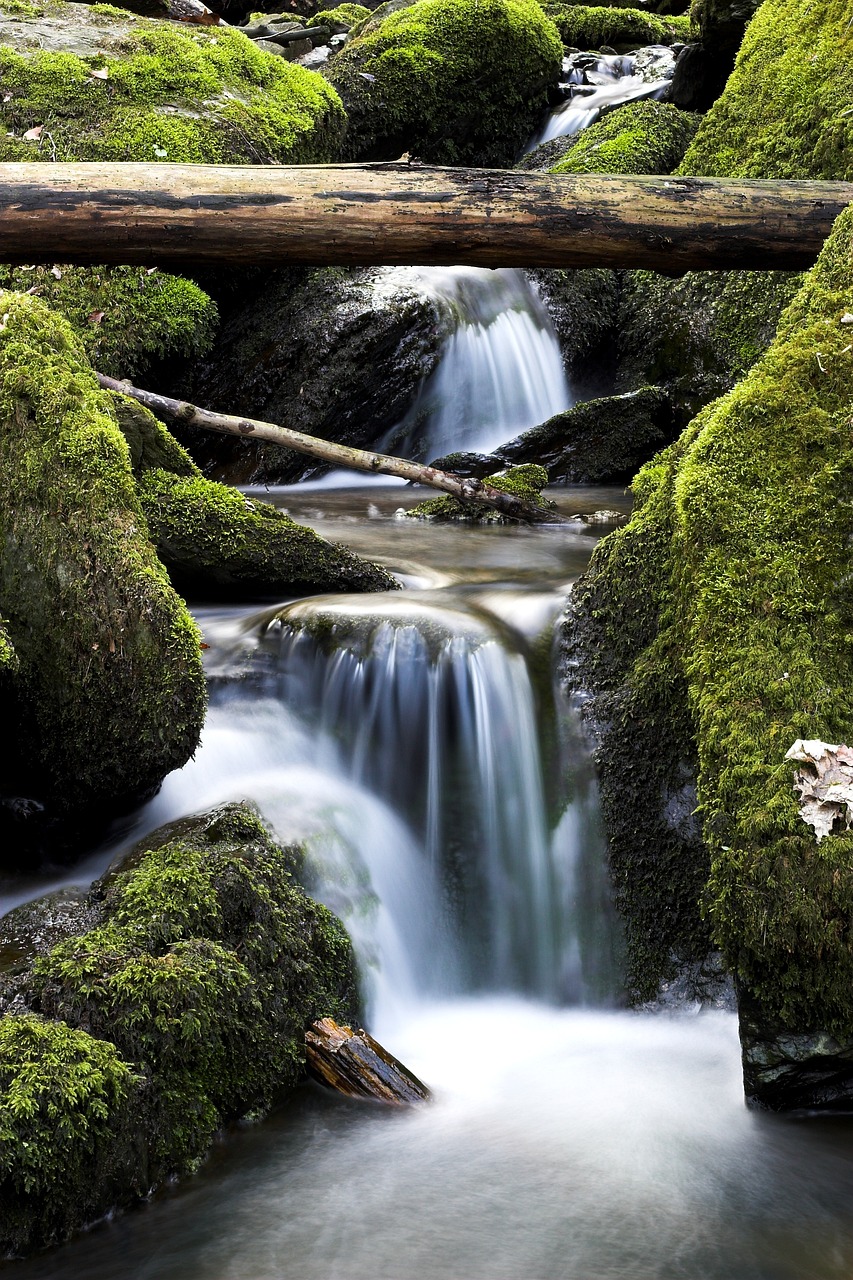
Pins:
x,y
639,137
183,1008
619,29
107,694
448,81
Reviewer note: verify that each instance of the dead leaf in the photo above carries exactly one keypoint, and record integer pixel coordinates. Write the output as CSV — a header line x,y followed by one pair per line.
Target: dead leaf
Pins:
x,y
100,73
847,318
95,317
33,135
824,784
203,645
54,271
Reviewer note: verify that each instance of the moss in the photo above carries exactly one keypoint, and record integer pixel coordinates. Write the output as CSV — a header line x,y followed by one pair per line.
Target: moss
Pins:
x,y
340,18
748,623
214,540
173,93
785,111
22,9
208,965
641,137
151,445
110,689
125,317
590,27
64,1097
525,481
450,81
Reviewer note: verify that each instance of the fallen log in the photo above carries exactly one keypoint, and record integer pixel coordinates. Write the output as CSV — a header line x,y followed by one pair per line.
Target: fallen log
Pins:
x,y
406,213
353,1063
466,489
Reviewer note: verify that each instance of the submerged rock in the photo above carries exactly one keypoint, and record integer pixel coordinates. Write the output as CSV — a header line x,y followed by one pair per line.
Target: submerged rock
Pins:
x,y
448,81
184,1007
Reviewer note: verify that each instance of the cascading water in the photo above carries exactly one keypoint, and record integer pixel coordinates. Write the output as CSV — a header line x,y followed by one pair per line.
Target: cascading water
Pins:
x,y
594,83
500,370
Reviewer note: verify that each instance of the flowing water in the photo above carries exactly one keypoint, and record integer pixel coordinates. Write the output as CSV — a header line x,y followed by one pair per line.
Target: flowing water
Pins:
x,y
595,83
443,788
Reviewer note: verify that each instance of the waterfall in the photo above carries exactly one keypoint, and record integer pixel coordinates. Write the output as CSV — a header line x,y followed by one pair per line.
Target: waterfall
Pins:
x,y
500,370
594,83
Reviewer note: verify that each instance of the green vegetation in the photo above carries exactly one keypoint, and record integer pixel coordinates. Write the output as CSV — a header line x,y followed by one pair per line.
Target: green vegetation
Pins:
x,y
640,137
125,317
525,482
590,27
785,112
341,18
449,81
173,92
110,687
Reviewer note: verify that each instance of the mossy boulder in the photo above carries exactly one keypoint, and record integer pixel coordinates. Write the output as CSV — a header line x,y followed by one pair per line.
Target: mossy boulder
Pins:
x,y
785,111
336,353
526,482
188,1000
125,317
640,137
108,695
592,26
597,441
340,18
720,619
449,81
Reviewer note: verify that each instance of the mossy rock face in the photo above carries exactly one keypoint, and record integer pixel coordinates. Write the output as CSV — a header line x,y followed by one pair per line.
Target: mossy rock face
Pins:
x,y
335,353
592,26
584,309
736,567
640,137
109,693
597,441
173,92
188,998
125,317
449,81
341,18
525,482
785,109
215,541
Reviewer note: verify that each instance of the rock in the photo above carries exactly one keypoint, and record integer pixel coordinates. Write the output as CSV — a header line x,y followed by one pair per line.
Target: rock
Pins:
x,y
526,481
340,18
356,1065
447,81
597,441
639,137
335,353
584,309
137,1049
793,1071
704,68
614,30
108,695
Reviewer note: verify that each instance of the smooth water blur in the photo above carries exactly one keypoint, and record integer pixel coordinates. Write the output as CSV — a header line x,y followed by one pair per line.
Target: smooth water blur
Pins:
x,y
562,1145
610,81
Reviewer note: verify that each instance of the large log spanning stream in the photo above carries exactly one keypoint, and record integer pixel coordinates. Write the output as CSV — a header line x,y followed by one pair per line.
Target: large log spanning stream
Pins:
x,y
407,213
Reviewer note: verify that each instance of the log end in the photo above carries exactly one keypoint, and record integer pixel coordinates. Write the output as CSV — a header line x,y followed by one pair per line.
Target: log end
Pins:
x,y
356,1065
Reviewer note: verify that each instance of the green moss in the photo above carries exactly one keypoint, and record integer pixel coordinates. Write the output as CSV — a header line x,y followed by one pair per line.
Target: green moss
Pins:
x,y
151,445
173,93
22,9
590,27
340,18
208,966
526,482
641,137
748,623
111,690
785,111
213,539
125,317
450,81
8,658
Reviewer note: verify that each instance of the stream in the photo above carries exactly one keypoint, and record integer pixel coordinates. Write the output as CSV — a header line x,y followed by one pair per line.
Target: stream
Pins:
x,y
417,744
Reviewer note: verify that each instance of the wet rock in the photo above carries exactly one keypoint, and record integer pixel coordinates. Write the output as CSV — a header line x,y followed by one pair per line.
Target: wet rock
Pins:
x,y
792,1071
597,441
335,353
584,309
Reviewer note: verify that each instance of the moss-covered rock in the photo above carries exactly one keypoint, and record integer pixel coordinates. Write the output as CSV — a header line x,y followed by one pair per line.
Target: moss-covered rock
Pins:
x,y
591,26
641,137
525,481
125,317
339,19
215,541
173,92
449,81
194,988
597,441
785,110
336,353
736,565
109,694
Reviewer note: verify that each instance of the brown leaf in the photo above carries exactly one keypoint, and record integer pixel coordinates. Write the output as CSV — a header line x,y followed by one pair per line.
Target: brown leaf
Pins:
x,y
203,645
101,73
95,317
33,135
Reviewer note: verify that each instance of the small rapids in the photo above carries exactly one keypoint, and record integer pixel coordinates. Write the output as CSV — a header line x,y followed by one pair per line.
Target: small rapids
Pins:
x,y
595,83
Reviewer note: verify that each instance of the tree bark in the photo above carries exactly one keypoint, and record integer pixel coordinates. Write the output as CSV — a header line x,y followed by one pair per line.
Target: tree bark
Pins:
x,y
355,1064
406,213
466,489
